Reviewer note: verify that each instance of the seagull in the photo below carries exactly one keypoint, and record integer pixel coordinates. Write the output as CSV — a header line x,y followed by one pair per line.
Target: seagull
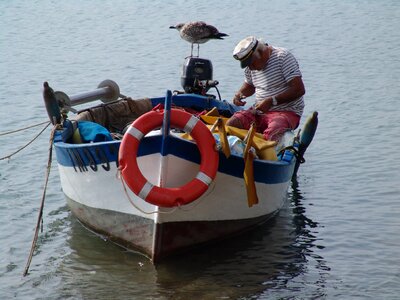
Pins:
x,y
198,33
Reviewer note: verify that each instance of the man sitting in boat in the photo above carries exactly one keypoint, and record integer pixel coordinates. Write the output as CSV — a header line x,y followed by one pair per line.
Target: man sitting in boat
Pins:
x,y
273,74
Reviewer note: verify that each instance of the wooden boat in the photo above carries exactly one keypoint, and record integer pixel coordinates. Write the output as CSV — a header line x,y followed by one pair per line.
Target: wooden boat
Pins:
x,y
162,175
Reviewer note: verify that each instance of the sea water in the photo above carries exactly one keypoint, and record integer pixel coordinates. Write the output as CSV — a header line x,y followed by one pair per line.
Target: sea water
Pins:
x,y
337,237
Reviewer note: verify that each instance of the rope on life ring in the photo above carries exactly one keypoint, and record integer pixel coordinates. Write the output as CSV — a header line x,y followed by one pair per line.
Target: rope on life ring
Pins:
x,y
165,196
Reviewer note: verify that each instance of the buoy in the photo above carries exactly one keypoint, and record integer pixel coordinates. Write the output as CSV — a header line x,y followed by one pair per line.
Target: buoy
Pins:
x,y
306,136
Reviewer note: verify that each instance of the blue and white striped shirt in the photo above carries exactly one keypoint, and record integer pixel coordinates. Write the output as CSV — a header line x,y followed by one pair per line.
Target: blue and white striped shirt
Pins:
x,y
281,67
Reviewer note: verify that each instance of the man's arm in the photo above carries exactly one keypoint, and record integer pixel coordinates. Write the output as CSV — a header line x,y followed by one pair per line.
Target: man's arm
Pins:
x,y
245,91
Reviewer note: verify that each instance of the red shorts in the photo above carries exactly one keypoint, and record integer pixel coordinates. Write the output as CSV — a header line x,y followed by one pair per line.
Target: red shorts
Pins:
x,y
271,124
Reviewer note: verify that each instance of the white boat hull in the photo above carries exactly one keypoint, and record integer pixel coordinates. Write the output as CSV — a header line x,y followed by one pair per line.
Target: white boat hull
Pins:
x,y
101,201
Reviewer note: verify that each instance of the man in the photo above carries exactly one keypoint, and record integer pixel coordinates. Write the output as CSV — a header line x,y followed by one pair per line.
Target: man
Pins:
x,y
274,76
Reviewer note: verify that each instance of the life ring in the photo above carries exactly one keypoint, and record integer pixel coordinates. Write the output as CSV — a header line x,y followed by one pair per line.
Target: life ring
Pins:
x,y
166,196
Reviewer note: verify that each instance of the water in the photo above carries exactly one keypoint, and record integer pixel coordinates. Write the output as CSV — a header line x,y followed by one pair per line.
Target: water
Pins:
x,y
337,237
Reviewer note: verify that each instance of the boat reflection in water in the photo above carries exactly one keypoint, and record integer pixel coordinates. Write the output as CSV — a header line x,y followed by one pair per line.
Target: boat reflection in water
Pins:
x,y
278,258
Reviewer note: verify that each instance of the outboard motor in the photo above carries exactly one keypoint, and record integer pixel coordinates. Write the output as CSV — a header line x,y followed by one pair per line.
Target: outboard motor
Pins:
x,y
197,75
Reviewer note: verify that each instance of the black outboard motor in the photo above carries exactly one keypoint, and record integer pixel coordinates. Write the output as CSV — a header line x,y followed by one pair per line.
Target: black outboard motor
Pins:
x,y
197,75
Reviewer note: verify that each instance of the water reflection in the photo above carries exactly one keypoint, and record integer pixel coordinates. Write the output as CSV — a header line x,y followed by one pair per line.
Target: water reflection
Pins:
x,y
311,270
279,258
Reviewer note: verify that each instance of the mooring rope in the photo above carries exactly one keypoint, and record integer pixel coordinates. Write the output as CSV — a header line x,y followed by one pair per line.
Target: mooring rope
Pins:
x,y
30,142
24,128
39,220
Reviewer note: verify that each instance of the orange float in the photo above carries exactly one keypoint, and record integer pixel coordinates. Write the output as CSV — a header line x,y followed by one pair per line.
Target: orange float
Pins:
x,y
166,196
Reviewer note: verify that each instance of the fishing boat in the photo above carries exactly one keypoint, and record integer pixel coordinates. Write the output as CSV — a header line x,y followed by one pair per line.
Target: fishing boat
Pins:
x,y
163,175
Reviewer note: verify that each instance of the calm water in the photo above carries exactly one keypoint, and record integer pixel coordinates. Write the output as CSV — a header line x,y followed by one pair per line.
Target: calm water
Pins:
x,y
337,236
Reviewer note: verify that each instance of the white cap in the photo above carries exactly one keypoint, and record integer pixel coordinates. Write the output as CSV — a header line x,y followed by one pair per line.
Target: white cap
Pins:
x,y
244,50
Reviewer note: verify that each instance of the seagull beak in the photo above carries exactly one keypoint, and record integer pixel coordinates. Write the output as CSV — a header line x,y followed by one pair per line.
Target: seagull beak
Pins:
x,y
172,27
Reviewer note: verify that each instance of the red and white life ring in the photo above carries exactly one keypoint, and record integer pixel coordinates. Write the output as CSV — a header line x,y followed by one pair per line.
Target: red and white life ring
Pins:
x,y
165,196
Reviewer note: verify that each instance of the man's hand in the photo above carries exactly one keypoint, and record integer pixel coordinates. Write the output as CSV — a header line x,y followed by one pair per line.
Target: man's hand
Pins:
x,y
264,105
238,99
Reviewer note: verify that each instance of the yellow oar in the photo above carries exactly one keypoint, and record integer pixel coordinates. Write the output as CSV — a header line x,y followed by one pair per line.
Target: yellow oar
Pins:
x,y
265,149
223,138
249,169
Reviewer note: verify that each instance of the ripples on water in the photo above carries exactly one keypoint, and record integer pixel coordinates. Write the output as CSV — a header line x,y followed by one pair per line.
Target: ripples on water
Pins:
x,y
337,237
271,261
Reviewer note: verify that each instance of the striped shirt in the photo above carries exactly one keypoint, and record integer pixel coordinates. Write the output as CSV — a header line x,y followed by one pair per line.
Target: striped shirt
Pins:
x,y
281,67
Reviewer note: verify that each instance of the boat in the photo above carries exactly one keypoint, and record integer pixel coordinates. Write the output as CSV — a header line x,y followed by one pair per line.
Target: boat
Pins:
x,y
162,175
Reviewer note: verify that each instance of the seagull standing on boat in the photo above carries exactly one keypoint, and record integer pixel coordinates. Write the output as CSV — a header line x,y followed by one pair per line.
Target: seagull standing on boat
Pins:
x,y
198,33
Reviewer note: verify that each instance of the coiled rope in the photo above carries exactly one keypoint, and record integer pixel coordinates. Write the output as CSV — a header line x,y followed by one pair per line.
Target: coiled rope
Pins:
x,y
30,142
39,220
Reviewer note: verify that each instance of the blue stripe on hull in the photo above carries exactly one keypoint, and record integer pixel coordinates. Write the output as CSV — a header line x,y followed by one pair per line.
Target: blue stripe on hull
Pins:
x,y
91,157
199,103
